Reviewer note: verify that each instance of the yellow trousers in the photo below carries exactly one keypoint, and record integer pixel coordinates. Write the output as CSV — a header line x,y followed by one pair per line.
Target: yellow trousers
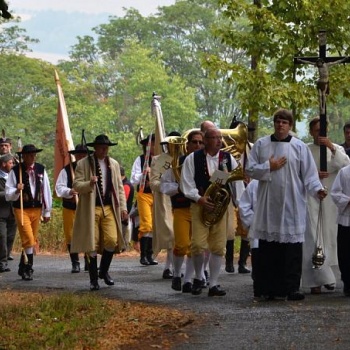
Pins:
x,y
29,231
68,221
203,237
105,229
144,206
182,231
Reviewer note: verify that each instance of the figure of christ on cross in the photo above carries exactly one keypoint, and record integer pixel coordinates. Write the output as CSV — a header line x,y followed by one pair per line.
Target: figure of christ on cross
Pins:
x,y
323,80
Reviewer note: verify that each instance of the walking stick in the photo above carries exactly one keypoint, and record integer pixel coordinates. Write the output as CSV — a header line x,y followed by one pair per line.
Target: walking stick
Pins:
x,y
19,145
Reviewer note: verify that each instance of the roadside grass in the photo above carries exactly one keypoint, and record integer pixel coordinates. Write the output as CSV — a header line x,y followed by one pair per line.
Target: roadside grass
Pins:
x,y
35,321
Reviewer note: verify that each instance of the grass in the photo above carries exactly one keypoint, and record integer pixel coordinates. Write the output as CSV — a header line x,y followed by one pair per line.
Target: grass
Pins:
x,y
35,321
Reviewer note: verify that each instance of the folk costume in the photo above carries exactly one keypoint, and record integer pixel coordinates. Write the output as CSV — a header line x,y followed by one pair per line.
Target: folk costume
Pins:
x,y
182,230
8,226
145,207
280,216
162,216
37,203
340,193
196,171
97,226
63,188
311,277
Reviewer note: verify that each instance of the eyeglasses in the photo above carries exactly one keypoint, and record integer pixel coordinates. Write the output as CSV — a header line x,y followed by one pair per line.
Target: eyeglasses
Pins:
x,y
196,142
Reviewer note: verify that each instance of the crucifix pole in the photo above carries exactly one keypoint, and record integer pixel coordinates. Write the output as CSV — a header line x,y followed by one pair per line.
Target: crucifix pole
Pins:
x,y
322,63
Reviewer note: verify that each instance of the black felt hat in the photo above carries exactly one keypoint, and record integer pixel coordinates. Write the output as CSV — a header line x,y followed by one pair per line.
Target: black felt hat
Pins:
x,y
102,140
145,140
29,149
79,149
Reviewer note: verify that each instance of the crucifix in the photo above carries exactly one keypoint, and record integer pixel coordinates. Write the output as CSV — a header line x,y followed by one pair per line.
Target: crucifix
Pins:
x,y
322,62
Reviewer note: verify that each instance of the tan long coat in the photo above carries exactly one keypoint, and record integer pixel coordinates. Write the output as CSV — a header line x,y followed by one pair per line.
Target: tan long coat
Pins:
x,y
84,223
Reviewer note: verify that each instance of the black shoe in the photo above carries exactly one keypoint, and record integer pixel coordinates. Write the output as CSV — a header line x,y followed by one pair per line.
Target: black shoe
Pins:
x,y
151,261
5,269
10,257
230,268
75,268
94,286
330,286
167,274
176,283
144,261
294,296
216,291
107,278
243,269
187,287
27,275
197,287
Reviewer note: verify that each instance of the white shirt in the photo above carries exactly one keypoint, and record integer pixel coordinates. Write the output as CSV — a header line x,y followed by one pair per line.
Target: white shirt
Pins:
x,y
136,171
340,193
61,188
11,188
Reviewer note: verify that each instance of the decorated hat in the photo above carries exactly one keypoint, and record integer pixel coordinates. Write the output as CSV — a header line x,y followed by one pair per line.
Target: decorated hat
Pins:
x,y
6,157
5,140
29,149
79,149
145,140
102,140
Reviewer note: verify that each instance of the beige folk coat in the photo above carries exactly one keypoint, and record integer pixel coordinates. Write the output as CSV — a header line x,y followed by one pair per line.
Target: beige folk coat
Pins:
x,y
163,233
84,223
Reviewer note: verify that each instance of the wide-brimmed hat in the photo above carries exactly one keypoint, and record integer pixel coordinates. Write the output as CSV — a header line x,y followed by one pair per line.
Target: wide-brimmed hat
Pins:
x,y
145,140
29,149
102,140
79,149
5,140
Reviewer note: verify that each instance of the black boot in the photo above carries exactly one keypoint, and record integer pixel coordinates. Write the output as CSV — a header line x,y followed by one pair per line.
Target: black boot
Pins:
x,y
86,263
149,252
104,267
21,265
143,250
243,256
93,273
74,258
28,268
229,267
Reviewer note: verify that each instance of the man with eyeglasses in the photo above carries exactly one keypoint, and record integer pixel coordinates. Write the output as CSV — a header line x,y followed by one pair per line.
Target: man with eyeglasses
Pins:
x,y
286,171
197,169
182,218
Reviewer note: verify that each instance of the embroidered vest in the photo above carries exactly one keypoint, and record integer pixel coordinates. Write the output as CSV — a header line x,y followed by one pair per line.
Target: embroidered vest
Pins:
x,y
28,200
69,203
178,200
106,196
147,188
202,176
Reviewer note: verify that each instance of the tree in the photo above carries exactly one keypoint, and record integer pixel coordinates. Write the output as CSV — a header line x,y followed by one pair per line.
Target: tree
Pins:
x,y
276,32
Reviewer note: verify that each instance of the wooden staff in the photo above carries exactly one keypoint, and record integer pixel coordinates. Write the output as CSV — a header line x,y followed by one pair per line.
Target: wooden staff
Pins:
x,y
19,145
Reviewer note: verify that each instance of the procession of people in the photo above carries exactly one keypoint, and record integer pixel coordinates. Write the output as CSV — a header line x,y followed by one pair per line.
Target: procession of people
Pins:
x,y
192,209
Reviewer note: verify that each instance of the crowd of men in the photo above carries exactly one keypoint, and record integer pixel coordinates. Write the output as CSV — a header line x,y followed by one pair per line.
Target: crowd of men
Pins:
x,y
193,209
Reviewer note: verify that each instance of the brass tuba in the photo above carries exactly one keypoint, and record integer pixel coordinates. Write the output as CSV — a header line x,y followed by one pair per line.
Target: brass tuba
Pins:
x,y
176,148
221,197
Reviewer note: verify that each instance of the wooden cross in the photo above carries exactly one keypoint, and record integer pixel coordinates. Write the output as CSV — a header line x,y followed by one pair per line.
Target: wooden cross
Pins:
x,y
322,62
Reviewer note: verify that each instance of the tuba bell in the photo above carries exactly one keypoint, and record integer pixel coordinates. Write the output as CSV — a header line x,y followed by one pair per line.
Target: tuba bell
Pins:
x,y
176,148
220,195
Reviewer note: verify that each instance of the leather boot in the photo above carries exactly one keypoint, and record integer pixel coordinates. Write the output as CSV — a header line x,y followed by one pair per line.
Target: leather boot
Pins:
x,y
229,267
74,258
143,249
243,256
104,267
28,269
93,273
149,252
21,265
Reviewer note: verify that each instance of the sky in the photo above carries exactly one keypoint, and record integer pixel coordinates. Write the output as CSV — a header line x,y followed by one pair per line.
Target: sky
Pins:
x,y
58,23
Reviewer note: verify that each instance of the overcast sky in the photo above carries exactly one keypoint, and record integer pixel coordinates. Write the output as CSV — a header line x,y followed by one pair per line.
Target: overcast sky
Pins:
x,y
58,23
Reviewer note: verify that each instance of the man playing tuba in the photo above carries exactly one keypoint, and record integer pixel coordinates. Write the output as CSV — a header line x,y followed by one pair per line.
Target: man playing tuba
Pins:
x,y
196,172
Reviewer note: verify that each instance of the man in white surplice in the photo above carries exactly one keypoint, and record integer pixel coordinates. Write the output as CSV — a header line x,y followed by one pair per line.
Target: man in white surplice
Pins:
x,y
286,170
336,159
